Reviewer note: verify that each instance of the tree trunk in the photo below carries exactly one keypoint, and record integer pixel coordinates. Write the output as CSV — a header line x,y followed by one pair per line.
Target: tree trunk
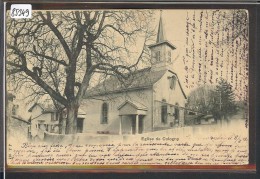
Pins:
x,y
63,126
62,122
71,124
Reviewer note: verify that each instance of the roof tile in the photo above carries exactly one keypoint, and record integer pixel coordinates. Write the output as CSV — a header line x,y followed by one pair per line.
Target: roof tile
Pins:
x,y
139,79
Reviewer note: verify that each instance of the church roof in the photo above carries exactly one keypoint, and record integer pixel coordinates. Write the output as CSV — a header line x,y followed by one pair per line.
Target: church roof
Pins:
x,y
21,119
139,79
47,108
135,104
179,83
163,42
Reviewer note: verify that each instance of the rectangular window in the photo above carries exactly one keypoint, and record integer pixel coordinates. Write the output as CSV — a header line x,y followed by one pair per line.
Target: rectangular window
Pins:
x,y
154,58
57,116
14,109
169,56
52,116
158,56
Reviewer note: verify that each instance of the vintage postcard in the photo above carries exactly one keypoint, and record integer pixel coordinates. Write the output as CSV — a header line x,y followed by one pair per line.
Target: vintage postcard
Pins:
x,y
133,87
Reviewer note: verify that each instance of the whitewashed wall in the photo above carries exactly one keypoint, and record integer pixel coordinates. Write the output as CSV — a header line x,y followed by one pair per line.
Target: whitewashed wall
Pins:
x,y
93,107
172,96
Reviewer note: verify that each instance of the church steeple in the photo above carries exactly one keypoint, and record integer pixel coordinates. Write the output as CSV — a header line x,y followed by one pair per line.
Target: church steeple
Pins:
x,y
162,50
160,33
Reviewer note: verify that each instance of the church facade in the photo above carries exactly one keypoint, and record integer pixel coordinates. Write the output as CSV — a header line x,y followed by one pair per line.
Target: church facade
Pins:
x,y
152,100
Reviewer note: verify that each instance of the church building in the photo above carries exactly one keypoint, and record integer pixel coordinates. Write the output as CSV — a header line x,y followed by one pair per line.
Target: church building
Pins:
x,y
153,99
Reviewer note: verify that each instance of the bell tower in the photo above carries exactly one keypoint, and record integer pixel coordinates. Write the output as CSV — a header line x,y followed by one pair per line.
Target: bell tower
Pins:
x,y
162,50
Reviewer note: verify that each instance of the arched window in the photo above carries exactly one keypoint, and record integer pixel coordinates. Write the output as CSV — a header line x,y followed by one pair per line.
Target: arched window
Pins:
x,y
164,111
172,81
104,117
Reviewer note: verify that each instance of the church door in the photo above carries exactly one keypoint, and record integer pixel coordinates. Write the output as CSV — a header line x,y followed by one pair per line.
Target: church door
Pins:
x,y
140,124
80,125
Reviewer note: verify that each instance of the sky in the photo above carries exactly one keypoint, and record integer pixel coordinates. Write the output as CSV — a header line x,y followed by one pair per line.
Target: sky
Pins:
x,y
233,63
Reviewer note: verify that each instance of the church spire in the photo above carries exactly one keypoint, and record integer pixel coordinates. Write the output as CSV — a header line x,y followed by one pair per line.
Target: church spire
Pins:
x,y
161,33
162,51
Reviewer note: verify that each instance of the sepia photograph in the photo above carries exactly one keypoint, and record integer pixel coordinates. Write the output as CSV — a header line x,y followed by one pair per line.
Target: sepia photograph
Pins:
x,y
123,87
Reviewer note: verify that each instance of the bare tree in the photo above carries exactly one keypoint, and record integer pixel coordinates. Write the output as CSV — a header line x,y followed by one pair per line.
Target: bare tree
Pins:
x,y
233,22
57,53
201,99
218,101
